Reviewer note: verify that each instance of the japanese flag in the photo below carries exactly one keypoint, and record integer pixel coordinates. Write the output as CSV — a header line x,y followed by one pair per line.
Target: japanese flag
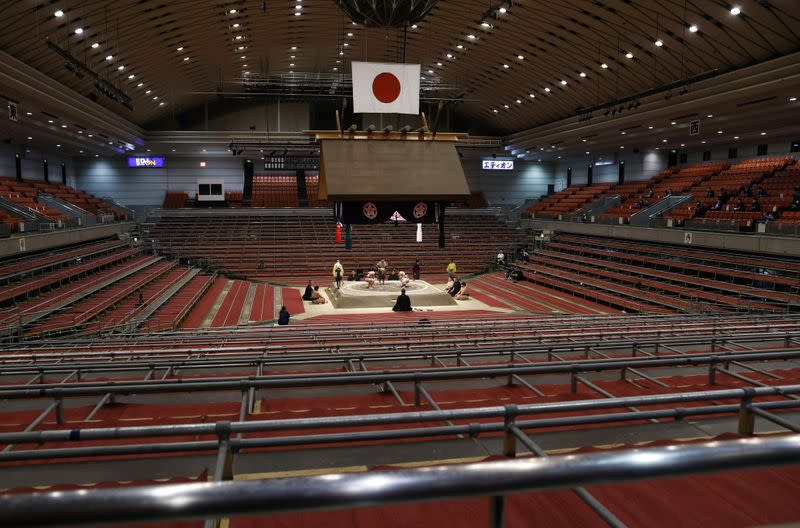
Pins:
x,y
385,88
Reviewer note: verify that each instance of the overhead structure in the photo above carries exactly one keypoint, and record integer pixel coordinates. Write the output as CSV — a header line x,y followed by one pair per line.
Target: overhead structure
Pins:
x,y
386,13
378,177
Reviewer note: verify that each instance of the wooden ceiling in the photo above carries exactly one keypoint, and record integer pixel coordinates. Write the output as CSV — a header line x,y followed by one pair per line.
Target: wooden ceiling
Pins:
x,y
518,66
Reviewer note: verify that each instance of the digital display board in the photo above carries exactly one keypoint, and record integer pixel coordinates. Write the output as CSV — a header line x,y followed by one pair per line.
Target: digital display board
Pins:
x,y
140,161
494,164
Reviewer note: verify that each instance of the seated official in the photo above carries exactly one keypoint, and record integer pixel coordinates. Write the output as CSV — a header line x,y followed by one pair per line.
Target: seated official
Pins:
x,y
308,291
403,302
455,289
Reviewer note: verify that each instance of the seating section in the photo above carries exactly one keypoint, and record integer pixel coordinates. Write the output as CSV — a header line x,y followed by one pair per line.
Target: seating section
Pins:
x,y
122,394
275,190
657,278
175,200
312,191
292,249
234,199
25,194
671,181
734,188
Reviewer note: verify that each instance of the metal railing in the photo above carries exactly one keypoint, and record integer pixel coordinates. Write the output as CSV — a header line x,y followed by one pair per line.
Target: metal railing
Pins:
x,y
357,490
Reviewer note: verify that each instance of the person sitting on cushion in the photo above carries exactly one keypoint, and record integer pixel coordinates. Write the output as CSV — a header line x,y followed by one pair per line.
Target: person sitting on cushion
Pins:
x,y
309,290
463,293
403,302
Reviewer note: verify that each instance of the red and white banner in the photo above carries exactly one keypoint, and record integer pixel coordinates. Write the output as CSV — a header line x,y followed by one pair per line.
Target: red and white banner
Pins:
x,y
385,88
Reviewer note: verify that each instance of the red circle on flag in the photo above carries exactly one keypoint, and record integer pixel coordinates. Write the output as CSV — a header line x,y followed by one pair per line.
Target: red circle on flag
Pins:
x,y
386,87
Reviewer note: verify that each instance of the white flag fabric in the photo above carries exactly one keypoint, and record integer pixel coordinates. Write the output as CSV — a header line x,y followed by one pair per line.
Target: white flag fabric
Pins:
x,y
419,232
385,88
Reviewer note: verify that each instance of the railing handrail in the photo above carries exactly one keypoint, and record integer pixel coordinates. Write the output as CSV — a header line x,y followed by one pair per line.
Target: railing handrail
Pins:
x,y
373,488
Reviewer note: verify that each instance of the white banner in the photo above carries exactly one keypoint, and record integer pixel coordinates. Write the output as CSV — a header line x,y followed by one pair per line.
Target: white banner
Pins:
x,y
385,88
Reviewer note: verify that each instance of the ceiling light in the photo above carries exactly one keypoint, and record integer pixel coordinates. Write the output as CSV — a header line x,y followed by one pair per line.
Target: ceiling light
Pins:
x,y
710,116
485,24
505,106
59,146
291,65
236,25
582,74
663,140
155,98
80,131
438,63
506,66
583,140
763,133
472,37
338,61
240,48
341,53
622,146
414,26
520,57
298,7
79,31
719,131
735,137
121,67
131,76
238,37
297,13
494,110
335,68
623,132
673,123
81,152
629,55
546,89
792,99
587,151
109,57
449,55
703,142
50,121
735,10
460,46
650,128
563,82
244,65
532,96
91,135
30,137
604,66
140,85
294,48
693,29
659,43
148,92
58,14
95,45
430,71
349,34
519,101
232,11
503,10
186,58
28,113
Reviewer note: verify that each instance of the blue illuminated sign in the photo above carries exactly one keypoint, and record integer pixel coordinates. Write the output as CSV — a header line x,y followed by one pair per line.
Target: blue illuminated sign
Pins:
x,y
497,164
145,162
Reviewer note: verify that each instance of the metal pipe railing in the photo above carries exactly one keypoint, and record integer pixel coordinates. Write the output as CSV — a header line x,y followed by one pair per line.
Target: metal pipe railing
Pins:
x,y
374,377
357,490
